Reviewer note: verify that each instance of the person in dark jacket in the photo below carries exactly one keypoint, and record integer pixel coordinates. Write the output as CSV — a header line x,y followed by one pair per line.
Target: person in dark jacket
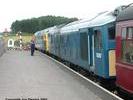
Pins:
x,y
32,47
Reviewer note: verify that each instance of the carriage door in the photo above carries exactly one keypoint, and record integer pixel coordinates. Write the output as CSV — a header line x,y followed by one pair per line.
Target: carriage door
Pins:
x,y
85,45
98,50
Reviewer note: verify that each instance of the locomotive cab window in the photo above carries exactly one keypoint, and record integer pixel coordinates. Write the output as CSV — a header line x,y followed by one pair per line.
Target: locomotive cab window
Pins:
x,y
111,33
127,45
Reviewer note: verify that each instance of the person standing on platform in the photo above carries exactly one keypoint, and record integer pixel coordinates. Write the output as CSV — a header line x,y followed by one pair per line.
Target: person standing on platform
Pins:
x,y
32,47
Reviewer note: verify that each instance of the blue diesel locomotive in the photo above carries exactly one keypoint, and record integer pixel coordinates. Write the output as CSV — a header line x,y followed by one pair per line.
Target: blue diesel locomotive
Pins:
x,y
89,44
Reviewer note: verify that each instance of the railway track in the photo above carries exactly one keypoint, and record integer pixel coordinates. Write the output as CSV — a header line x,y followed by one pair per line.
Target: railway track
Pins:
x,y
101,92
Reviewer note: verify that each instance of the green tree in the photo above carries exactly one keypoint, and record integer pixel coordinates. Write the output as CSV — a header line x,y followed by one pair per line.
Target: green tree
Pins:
x,y
35,24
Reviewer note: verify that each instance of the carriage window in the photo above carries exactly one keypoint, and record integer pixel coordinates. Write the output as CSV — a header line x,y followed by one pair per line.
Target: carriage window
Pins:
x,y
127,45
111,33
130,33
98,39
124,33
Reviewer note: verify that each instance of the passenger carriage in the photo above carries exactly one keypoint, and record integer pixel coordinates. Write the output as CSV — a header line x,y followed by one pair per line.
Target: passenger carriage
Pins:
x,y
124,50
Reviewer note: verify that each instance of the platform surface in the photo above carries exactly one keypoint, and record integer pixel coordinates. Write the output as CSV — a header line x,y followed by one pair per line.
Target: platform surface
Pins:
x,y
25,76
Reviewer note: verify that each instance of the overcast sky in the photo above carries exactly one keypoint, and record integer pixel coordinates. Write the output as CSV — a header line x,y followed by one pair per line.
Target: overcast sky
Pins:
x,y
11,10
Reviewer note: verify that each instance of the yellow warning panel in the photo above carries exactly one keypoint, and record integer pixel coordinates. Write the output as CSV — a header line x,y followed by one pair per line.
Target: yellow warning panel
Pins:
x,y
112,61
47,44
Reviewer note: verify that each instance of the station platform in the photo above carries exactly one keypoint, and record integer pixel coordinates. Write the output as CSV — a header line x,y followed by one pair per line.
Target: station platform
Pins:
x,y
25,76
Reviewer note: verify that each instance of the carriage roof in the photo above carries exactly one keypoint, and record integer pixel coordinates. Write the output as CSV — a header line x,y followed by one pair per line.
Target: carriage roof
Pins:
x,y
126,14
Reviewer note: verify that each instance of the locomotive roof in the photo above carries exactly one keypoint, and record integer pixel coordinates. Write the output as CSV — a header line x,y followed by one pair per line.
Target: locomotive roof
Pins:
x,y
37,33
52,30
126,14
99,20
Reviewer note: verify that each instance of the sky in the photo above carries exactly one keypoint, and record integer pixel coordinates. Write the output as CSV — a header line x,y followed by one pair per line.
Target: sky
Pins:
x,y
12,10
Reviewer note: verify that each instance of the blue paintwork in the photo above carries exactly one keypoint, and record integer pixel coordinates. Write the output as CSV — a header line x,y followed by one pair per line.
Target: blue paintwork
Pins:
x,y
39,40
102,64
66,45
